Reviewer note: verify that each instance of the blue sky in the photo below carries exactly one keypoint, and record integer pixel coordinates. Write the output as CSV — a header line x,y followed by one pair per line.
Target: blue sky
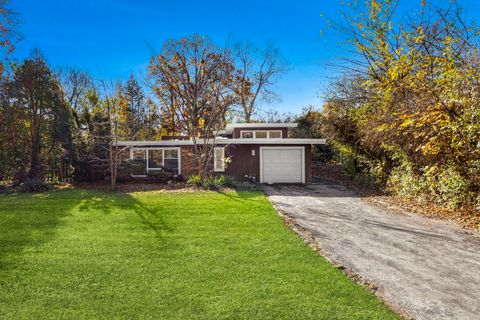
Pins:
x,y
108,38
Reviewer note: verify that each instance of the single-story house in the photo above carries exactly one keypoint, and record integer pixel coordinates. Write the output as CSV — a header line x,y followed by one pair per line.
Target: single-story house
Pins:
x,y
261,152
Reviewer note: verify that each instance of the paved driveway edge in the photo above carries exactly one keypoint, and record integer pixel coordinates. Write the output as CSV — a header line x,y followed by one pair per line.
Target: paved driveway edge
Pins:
x,y
309,238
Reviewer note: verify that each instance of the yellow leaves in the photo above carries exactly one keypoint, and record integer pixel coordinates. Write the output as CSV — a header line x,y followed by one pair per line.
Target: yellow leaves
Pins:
x,y
375,5
418,39
201,123
383,127
431,148
163,132
407,123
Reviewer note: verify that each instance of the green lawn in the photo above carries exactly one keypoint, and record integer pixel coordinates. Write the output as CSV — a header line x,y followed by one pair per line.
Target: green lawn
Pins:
x,y
76,254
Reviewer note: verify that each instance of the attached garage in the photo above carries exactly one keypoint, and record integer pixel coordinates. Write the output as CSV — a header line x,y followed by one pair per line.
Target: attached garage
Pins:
x,y
282,164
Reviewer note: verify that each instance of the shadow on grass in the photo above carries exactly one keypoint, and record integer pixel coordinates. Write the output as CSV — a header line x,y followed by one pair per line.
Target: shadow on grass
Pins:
x,y
151,219
28,221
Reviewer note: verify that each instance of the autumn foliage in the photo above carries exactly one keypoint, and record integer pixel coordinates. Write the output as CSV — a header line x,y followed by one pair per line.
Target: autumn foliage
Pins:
x,y
407,113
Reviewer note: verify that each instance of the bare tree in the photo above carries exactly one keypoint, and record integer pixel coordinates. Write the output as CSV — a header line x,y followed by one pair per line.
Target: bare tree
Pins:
x,y
257,70
194,79
105,134
76,84
275,116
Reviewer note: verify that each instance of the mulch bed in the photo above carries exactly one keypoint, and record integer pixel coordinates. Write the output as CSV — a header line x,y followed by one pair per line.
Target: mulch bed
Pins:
x,y
141,186
136,186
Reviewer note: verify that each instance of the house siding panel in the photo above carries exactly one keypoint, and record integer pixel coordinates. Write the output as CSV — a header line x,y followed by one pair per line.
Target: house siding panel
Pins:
x,y
242,162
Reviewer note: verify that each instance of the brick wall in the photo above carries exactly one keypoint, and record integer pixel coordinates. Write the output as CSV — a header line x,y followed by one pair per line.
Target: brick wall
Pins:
x,y
188,164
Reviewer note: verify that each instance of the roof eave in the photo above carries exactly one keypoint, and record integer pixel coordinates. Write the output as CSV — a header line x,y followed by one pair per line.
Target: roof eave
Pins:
x,y
231,126
222,141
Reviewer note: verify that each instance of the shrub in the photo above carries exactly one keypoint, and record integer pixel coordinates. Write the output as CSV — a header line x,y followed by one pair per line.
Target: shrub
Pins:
x,y
195,180
360,169
348,160
34,185
405,182
230,182
444,186
218,182
448,186
211,182
160,175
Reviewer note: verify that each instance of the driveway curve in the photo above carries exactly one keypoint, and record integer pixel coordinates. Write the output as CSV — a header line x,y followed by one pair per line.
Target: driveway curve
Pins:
x,y
423,268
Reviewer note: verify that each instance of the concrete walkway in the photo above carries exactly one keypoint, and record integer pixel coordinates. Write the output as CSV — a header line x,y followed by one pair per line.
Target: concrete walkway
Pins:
x,y
424,268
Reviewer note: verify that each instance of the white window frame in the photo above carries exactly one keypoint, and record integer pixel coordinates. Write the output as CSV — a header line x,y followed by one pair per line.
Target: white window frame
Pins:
x,y
147,158
242,131
281,134
215,168
255,134
146,149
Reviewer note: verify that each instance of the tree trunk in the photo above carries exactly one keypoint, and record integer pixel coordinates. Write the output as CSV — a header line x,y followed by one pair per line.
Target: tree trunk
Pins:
x,y
35,161
113,170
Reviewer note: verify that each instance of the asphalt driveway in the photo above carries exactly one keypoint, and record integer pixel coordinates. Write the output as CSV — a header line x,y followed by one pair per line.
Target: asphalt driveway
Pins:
x,y
424,268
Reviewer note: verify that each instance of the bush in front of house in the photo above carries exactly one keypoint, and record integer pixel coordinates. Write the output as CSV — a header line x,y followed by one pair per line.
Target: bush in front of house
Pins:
x,y
230,182
211,182
160,176
34,185
194,180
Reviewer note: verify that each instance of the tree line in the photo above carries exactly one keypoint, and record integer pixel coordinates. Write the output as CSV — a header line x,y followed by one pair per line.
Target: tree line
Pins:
x,y
60,124
404,115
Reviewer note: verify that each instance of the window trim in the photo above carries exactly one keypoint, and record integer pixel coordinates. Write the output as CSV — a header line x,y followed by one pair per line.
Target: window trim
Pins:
x,y
147,158
242,131
281,134
255,134
163,158
215,168
132,150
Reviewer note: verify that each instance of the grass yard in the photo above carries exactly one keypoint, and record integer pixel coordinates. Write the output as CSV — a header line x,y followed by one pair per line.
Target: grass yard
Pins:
x,y
76,254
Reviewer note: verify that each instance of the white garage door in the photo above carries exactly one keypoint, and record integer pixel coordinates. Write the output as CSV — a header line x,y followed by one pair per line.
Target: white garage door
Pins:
x,y
282,165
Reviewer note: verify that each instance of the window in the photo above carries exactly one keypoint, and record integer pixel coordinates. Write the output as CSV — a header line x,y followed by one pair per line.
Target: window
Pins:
x,y
150,159
275,134
246,134
219,159
171,160
155,159
139,167
261,134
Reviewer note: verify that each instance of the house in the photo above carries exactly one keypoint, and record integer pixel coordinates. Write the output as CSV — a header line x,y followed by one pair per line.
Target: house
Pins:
x,y
261,152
